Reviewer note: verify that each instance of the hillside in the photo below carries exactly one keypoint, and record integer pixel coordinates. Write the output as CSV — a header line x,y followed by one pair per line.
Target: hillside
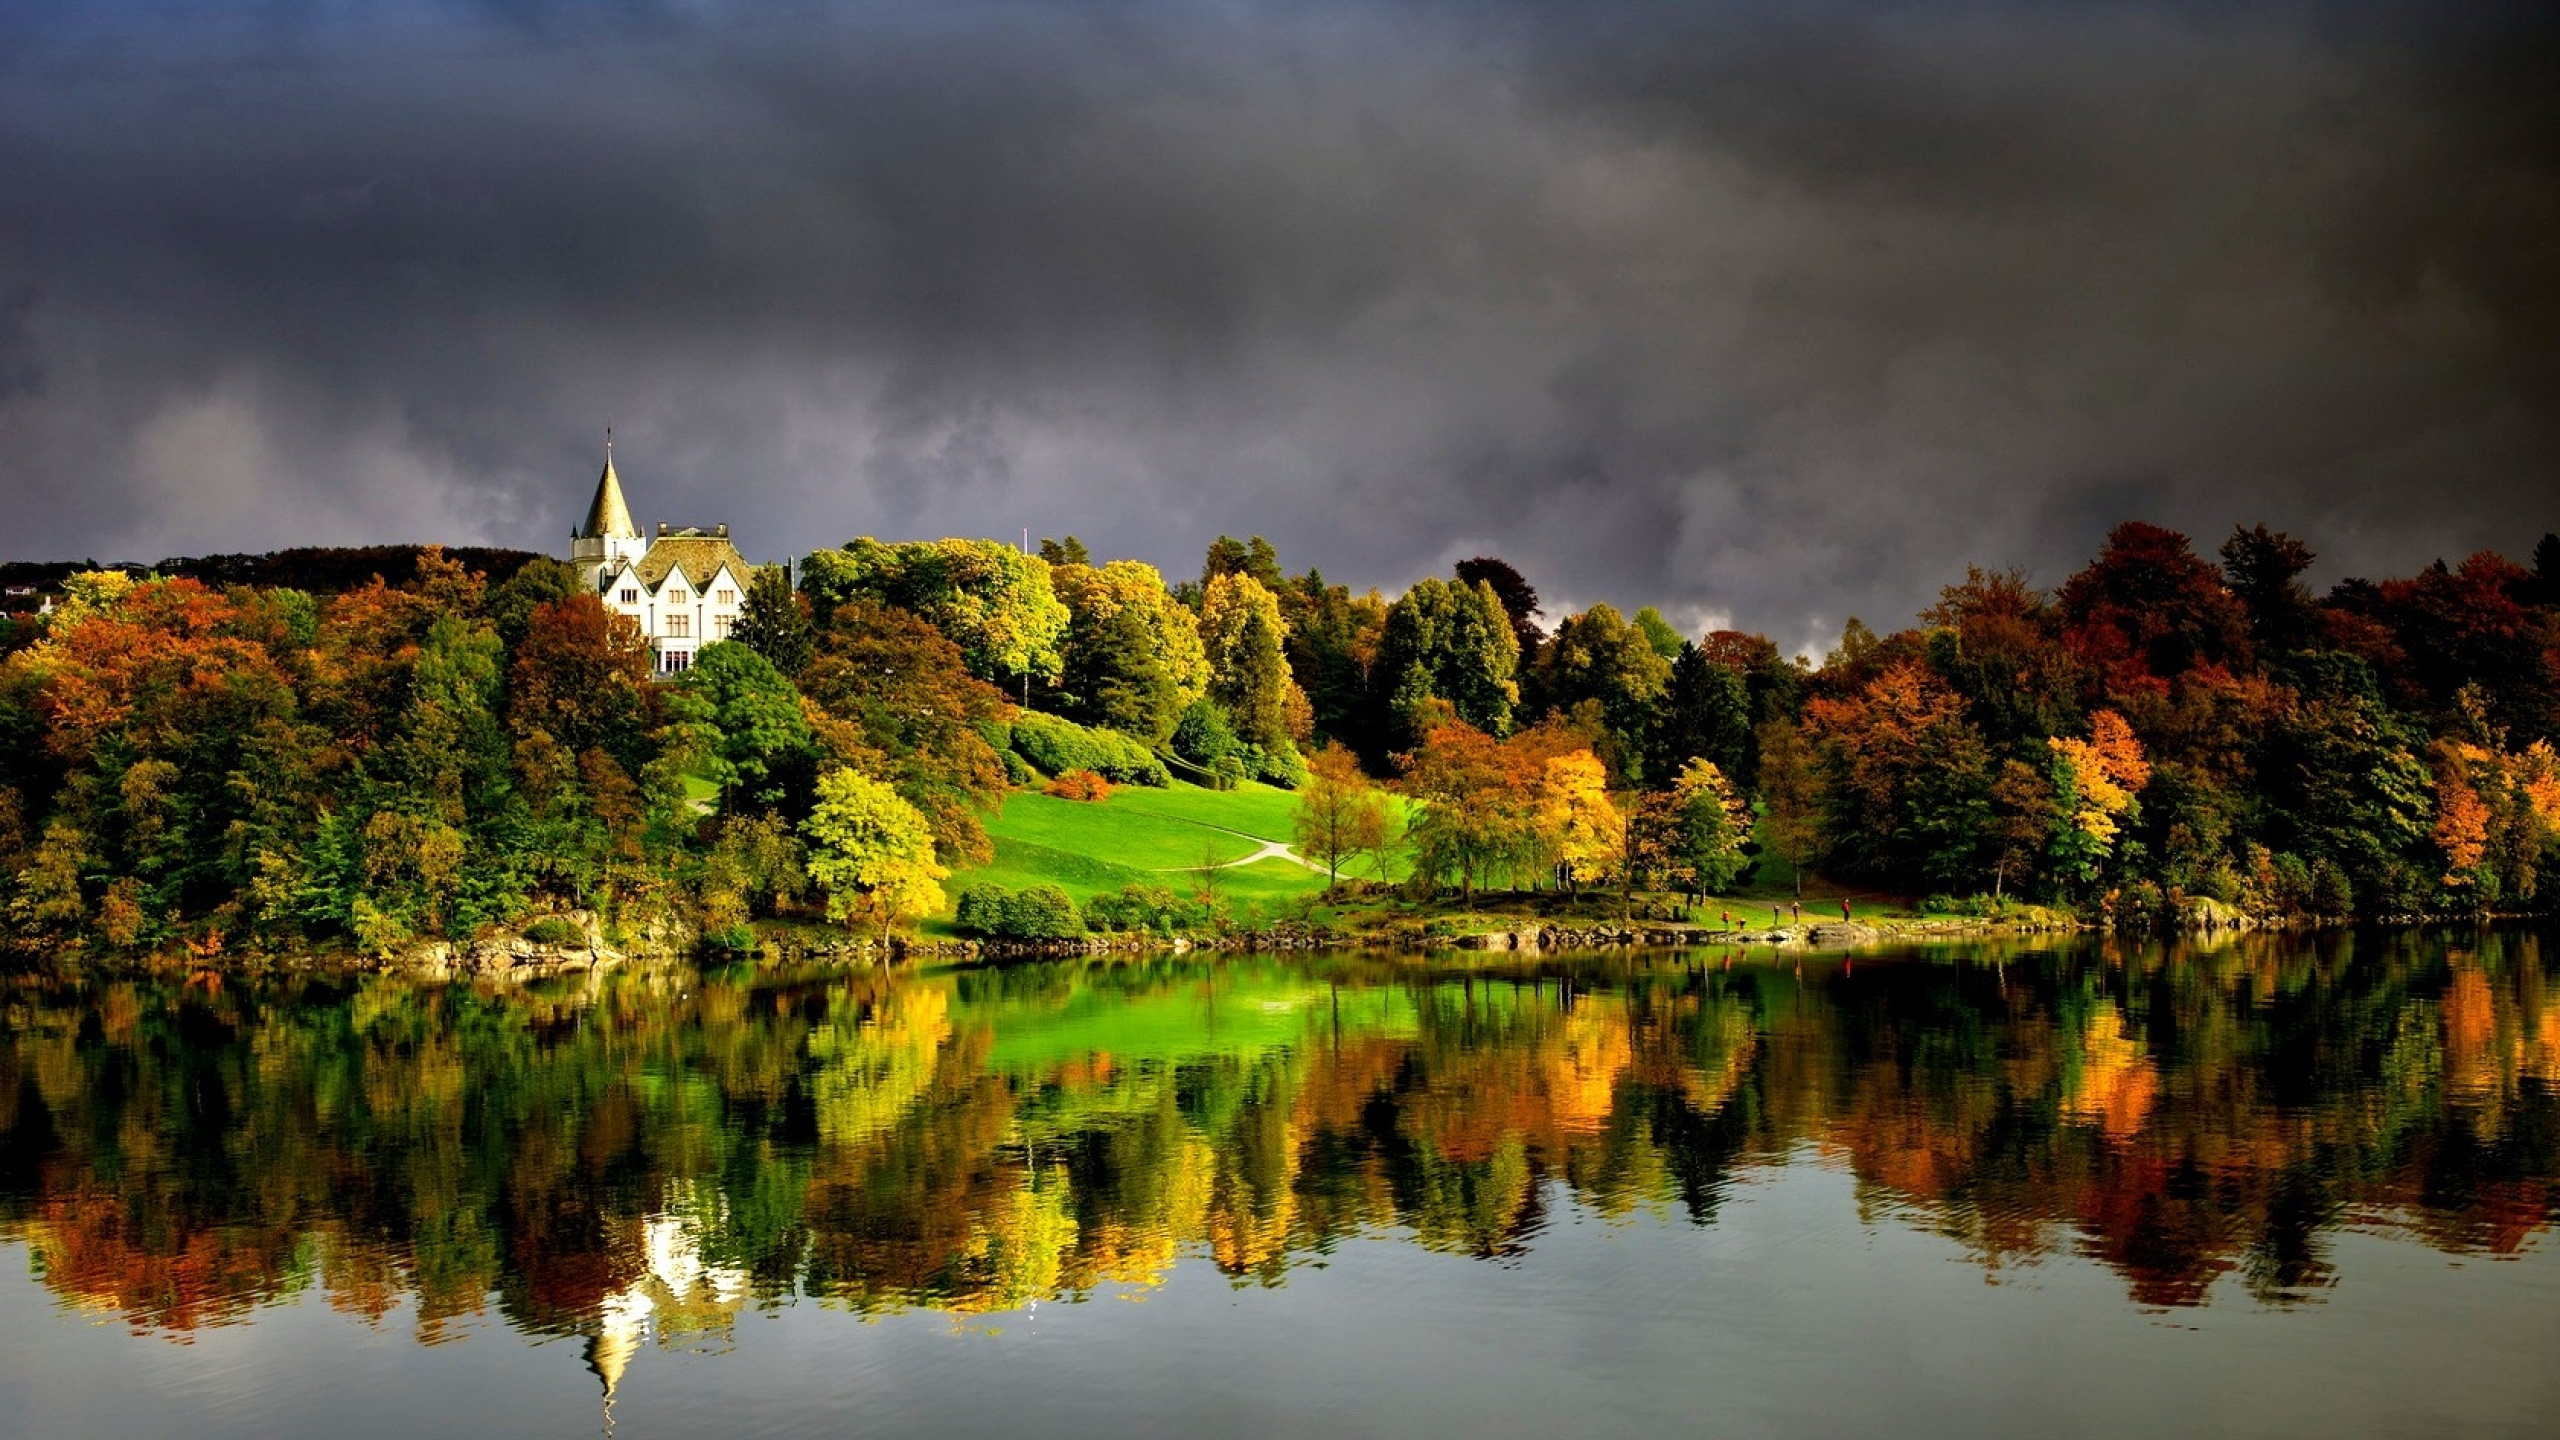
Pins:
x,y
1148,836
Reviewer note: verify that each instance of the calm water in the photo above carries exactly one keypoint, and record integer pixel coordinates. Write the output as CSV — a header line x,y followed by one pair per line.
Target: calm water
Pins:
x,y
2282,1187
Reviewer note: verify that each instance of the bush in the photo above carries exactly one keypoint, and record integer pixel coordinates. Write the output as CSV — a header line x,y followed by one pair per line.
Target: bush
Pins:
x,y
1057,746
1149,908
554,930
1037,912
1229,772
980,910
1080,785
730,940
1018,771
1284,766
1204,737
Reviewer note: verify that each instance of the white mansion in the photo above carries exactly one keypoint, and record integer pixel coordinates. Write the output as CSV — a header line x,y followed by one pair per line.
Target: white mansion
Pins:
x,y
684,586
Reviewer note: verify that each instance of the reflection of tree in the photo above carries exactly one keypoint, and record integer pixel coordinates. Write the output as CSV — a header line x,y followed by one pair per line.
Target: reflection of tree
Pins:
x,y
647,1155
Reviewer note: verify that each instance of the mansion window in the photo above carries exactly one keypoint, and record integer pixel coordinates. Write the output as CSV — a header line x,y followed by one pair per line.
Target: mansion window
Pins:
x,y
675,597
720,625
630,596
675,662
725,597
679,625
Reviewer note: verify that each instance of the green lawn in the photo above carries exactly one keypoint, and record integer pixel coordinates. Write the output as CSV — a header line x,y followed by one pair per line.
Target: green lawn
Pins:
x,y
1144,836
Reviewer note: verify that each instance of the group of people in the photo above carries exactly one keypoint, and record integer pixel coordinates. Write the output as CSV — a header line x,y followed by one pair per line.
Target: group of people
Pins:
x,y
1777,913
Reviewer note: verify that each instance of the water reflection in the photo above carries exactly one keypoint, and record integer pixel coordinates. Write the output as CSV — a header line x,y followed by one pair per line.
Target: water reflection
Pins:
x,y
653,1155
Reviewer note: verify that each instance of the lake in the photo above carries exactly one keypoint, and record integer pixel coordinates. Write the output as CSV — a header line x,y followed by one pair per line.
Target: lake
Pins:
x,y
2288,1185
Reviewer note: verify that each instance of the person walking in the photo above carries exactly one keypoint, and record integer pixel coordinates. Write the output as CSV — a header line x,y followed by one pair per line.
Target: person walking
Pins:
x,y
1844,908
1799,912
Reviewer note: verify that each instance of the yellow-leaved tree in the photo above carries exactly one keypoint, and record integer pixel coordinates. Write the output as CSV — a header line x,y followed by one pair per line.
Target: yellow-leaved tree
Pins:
x,y
2095,781
1582,827
871,852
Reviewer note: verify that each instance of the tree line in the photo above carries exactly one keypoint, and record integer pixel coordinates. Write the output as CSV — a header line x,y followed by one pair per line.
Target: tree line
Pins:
x,y
187,763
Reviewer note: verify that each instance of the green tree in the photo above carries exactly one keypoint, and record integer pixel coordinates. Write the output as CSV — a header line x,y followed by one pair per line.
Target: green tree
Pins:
x,y
1255,559
1243,635
1705,713
1599,657
1132,659
772,624
871,853
511,602
764,742
1711,828
1448,642
1666,642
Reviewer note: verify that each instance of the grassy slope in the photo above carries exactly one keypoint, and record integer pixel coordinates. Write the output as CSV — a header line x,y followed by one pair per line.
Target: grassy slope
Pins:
x,y
1143,836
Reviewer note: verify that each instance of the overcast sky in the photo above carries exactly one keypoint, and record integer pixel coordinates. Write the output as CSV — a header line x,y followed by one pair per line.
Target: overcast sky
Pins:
x,y
1771,313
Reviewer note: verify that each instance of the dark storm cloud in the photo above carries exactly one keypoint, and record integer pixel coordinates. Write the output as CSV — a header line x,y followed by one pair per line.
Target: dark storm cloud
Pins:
x,y
1769,312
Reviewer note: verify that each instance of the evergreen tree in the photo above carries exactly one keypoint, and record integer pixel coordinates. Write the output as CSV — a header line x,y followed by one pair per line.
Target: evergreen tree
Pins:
x,y
772,623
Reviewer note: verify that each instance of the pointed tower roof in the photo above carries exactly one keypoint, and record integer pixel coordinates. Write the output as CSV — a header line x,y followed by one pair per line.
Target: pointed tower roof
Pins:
x,y
608,515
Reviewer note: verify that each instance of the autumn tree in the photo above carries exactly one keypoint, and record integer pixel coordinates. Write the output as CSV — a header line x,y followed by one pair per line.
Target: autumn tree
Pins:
x,y
989,599
1132,657
1791,799
2148,608
1470,814
2095,782
1340,814
1243,636
1579,830
1906,777
902,703
871,852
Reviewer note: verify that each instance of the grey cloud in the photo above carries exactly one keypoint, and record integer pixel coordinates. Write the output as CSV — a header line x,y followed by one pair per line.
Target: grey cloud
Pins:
x,y
1778,313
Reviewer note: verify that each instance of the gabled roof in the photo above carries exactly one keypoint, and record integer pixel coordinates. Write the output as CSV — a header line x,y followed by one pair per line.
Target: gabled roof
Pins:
x,y
608,515
697,557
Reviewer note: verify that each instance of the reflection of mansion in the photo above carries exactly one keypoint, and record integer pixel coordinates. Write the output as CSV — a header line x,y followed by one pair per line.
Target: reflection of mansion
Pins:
x,y
684,586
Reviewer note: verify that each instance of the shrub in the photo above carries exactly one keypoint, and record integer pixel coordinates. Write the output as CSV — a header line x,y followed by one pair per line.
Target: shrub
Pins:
x,y
730,940
980,910
554,930
1229,772
1204,737
1042,912
1151,908
1037,912
1057,746
1284,766
1080,785
1018,771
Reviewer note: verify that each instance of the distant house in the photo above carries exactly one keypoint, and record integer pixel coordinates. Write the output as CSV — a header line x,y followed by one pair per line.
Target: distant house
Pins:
x,y
685,586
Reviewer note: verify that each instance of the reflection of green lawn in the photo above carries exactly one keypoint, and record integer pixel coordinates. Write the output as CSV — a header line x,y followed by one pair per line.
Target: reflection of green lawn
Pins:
x,y
1238,1015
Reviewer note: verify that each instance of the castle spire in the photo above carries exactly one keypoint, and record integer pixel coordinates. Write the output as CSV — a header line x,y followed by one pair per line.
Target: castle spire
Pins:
x,y
608,516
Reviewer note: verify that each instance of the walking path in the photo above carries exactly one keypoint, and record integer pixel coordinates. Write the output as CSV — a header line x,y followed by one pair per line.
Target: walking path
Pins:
x,y
1271,850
